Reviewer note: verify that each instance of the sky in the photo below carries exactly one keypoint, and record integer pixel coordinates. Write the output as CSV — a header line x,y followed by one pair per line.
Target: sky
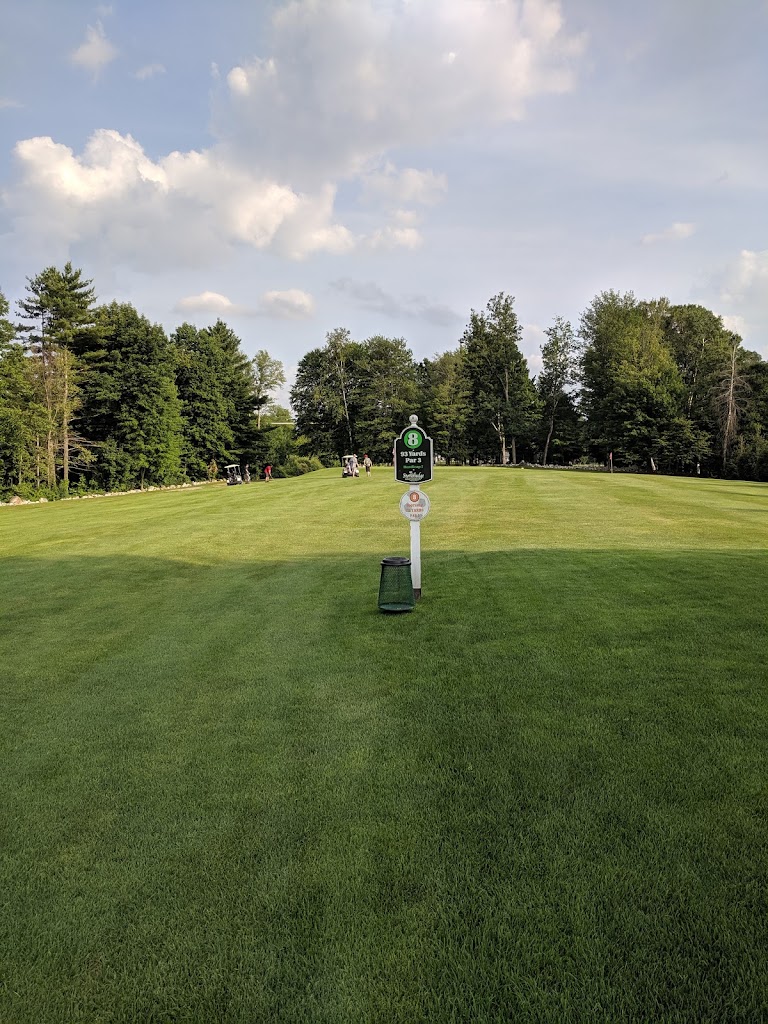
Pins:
x,y
294,166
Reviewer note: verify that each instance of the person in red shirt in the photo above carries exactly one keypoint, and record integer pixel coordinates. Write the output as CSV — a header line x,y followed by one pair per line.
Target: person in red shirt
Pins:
x,y
267,472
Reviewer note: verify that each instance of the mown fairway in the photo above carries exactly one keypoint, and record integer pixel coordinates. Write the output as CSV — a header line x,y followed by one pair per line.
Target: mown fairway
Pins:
x,y
233,791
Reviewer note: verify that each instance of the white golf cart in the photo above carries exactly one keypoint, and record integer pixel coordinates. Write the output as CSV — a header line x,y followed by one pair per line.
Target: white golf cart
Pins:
x,y
349,466
233,474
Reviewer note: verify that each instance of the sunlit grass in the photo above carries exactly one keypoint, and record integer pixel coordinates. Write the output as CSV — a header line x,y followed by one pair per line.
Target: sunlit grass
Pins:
x,y
234,791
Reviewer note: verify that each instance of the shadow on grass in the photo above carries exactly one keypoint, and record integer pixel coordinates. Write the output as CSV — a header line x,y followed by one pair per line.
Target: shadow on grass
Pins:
x,y
241,794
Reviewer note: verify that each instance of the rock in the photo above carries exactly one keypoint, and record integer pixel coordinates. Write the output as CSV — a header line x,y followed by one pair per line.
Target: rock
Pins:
x,y
16,500
43,501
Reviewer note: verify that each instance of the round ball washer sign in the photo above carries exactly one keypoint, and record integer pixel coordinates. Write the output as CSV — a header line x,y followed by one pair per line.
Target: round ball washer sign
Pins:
x,y
414,505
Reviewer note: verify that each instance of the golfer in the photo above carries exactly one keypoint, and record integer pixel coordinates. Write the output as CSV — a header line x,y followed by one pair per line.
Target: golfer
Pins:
x,y
367,463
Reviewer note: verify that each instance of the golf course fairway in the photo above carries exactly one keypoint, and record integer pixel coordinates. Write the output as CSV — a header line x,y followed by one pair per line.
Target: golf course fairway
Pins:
x,y
234,791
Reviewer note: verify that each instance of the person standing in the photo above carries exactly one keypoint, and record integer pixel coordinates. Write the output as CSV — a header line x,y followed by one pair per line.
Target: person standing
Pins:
x,y
268,472
367,463
353,464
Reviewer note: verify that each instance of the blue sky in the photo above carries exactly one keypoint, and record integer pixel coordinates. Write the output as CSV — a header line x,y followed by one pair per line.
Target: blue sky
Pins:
x,y
387,165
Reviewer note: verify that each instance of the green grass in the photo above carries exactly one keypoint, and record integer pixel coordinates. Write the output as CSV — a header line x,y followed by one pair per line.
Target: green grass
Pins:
x,y
232,791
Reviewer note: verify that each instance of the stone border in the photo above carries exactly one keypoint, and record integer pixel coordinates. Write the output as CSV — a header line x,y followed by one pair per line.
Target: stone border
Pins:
x,y
16,500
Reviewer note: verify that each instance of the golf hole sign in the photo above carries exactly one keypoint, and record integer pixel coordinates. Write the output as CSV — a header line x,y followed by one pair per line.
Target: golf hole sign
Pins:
x,y
413,455
414,505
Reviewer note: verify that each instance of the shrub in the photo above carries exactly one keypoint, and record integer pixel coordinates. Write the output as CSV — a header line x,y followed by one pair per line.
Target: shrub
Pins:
x,y
297,465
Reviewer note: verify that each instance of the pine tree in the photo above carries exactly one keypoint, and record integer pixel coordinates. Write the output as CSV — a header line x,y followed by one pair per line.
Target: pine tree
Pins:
x,y
208,410
59,312
19,415
131,407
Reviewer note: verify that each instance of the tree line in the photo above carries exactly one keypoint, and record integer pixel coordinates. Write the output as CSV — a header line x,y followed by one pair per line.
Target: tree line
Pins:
x,y
650,385
95,397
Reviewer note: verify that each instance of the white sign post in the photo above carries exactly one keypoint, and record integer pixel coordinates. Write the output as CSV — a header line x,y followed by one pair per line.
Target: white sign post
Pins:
x,y
414,505
413,465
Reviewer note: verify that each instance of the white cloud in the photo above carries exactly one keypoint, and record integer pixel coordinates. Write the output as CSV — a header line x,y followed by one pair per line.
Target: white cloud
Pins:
x,y
149,71
347,80
396,238
736,323
292,304
8,104
188,208
406,186
95,52
533,338
743,288
747,276
206,302
343,82
674,233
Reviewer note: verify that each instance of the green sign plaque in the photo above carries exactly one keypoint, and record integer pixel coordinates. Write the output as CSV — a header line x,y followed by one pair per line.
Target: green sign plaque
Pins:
x,y
413,455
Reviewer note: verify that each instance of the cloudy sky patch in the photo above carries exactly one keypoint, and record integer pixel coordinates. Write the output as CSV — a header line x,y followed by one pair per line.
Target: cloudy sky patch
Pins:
x,y
387,166
95,52
674,233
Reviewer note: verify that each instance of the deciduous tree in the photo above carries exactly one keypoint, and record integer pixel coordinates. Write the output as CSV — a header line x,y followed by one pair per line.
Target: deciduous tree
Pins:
x,y
502,397
558,373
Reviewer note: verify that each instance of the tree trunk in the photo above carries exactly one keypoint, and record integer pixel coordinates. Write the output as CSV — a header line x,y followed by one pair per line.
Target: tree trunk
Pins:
x,y
51,453
65,423
514,452
549,438
730,407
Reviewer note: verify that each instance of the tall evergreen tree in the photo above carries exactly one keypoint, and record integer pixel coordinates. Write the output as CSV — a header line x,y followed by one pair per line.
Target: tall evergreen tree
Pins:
x,y
131,408
203,376
7,330
20,416
241,388
59,315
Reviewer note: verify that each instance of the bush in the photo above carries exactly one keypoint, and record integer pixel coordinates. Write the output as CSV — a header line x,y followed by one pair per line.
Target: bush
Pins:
x,y
29,492
297,465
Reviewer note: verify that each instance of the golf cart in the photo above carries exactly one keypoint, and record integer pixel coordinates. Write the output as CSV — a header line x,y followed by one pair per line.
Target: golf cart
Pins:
x,y
349,466
233,474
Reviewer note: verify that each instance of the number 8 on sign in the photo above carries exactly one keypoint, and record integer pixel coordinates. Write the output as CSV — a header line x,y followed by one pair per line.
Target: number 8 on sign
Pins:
x,y
413,439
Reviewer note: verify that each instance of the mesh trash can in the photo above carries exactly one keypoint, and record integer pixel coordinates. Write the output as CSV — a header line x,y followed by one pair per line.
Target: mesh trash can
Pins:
x,y
396,586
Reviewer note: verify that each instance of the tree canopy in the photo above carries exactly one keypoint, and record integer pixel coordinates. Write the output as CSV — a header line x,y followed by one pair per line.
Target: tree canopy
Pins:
x,y
96,396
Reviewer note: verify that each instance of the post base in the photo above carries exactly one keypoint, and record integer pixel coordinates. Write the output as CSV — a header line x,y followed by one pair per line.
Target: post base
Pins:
x,y
417,593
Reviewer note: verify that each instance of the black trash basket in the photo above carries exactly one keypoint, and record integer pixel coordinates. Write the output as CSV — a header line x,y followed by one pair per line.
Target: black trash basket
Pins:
x,y
396,586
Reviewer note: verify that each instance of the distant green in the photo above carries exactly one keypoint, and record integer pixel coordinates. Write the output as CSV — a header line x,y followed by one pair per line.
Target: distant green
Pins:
x,y
233,791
